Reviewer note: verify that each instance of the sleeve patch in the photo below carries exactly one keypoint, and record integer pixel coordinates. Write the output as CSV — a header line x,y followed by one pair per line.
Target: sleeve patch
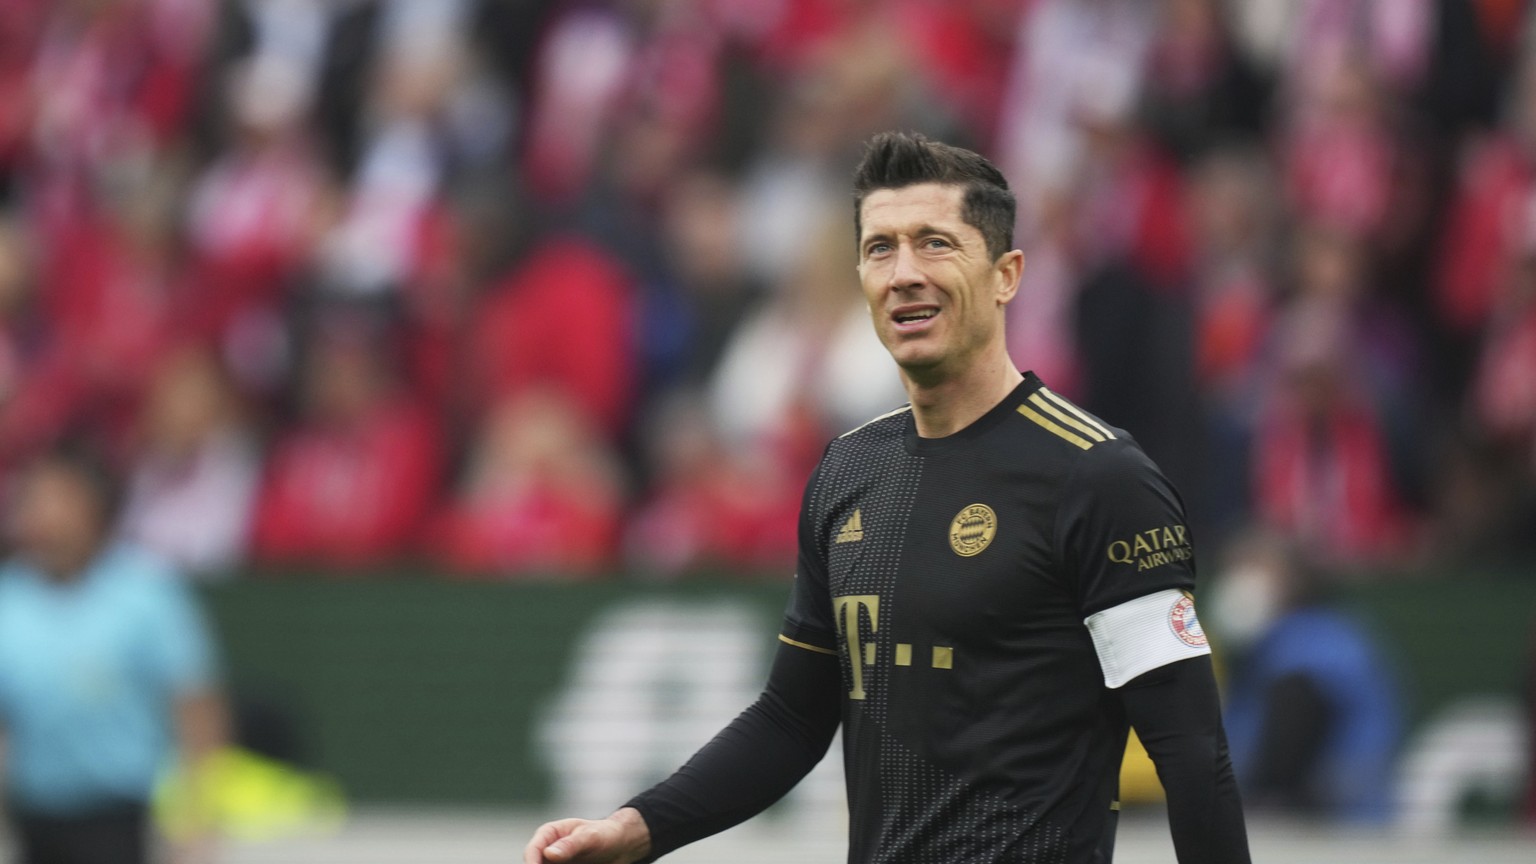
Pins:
x,y
1143,634
1150,549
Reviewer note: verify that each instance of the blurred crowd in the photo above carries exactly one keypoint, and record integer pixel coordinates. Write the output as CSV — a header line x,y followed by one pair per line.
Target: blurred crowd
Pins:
x,y
508,287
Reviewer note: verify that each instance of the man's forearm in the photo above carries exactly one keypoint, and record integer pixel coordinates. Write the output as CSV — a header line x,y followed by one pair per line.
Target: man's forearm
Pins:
x,y
1176,713
202,724
757,758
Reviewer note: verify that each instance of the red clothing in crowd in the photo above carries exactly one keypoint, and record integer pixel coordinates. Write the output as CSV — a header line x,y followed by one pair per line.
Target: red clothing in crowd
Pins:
x,y
1487,229
728,518
1233,315
544,528
1325,482
106,307
966,56
108,81
351,495
1504,391
250,222
542,494
1135,209
21,27
1339,173
561,319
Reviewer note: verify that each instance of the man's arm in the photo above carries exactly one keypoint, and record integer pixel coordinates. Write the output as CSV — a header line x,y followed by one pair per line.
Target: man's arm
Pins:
x,y
1121,534
752,763
202,729
1177,714
202,724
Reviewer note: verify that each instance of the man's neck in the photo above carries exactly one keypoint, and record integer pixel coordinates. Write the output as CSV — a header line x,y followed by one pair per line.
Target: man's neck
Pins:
x,y
944,404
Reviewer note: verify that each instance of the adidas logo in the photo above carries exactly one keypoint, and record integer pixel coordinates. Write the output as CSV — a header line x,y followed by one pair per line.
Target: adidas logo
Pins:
x,y
852,530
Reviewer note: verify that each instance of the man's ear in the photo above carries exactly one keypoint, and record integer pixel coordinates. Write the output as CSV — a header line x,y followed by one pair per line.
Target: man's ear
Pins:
x,y
1010,268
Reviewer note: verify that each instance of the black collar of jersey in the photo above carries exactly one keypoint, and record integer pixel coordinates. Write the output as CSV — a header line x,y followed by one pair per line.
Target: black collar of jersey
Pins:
x,y
920,446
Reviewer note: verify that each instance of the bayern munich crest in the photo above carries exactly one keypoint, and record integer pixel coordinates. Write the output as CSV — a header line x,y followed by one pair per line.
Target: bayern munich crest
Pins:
x,y
972,530
1184,623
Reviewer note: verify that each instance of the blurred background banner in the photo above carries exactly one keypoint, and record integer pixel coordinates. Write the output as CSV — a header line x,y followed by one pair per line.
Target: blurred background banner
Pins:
x,y
563,697
468,358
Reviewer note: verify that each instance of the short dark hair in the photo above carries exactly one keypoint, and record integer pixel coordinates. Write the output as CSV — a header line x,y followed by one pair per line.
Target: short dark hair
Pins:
x,y
893,160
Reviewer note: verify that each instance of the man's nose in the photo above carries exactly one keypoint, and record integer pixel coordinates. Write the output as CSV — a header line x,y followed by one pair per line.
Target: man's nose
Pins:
x,y
905,272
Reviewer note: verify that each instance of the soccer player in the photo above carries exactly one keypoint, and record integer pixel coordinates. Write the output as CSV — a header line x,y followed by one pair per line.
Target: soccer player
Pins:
x,y
992,585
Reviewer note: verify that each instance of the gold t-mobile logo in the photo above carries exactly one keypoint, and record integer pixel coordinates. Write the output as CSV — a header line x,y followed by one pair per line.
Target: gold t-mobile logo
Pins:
x,y
860,654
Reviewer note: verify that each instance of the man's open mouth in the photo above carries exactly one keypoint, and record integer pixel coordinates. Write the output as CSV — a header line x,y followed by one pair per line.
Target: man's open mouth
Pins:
x,y
911,316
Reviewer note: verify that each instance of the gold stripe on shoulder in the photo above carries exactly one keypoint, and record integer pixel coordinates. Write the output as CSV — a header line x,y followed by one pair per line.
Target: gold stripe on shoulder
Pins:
x,y
876,420
1052,427
1047,407
1080,413
819,650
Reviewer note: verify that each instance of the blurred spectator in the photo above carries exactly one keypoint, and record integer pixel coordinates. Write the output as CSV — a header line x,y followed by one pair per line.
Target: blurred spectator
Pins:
x,y
1234,300
1340,153
647,210
1201,88
1331,269
686,332
252,216
1133,321
560,319
193,483
1040,327
349,485
1489,221
111,90
580,74
786,185
105,291
726,509
542,494
1072,58
807,353
17,325
1390,41
20,30
1313,713
1233,290
1348,354
431,122
1321,475
106,672
1504,387
381,244
849,82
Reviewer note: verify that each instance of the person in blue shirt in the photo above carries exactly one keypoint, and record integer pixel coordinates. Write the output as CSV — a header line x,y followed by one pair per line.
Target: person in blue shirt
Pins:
x,y
1314,713
107,671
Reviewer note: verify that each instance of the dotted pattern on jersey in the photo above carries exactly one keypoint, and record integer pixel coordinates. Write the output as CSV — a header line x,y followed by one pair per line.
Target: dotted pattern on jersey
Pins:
x,y
872,463
931,817
927,815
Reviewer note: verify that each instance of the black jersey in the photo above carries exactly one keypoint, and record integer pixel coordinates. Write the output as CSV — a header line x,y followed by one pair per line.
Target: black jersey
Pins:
x,y
953,577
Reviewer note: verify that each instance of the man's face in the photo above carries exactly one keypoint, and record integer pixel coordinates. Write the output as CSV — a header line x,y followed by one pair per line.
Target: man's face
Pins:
x,y
56,520
934,292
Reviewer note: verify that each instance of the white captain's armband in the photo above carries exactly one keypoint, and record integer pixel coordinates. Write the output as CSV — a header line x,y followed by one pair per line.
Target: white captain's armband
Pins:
x,y
1142,634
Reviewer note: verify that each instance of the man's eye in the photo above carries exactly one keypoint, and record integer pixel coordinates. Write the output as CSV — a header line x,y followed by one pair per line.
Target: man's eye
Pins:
x,y
878,249
936,243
